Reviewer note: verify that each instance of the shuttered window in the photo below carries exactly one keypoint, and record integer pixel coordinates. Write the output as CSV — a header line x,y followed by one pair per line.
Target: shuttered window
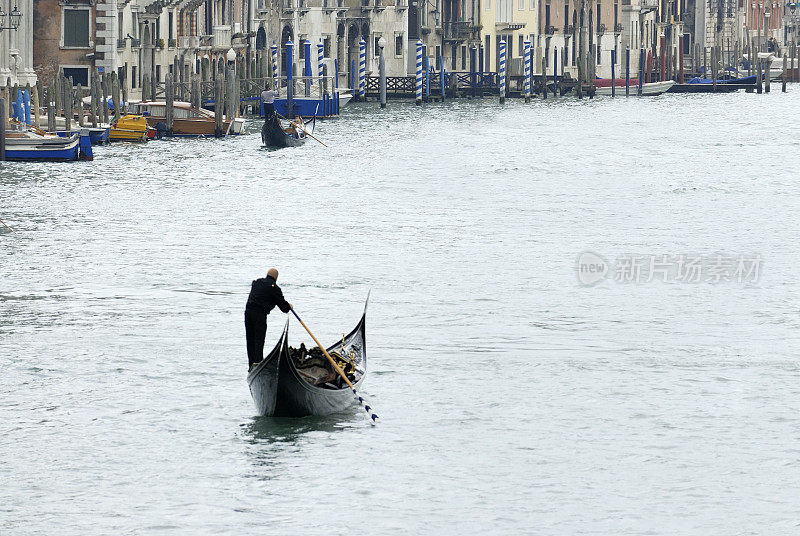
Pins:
x,y
76,28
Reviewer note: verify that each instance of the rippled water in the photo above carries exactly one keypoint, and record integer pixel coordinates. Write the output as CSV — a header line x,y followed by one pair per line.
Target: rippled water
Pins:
x,y
514,400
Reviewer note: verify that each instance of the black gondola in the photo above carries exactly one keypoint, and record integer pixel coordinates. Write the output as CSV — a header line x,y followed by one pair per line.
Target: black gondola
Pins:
x,y
280,390
274,135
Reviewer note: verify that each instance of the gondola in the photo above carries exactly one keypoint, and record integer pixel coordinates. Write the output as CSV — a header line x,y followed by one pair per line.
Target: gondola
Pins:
x,y
274,135
279,388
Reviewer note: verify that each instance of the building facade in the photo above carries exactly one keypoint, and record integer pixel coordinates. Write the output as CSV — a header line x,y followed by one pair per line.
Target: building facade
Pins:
x,y
16,47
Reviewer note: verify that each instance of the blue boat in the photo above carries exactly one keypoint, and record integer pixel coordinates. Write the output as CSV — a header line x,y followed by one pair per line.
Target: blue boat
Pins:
x,y
30,146
737,81
97,135
311,106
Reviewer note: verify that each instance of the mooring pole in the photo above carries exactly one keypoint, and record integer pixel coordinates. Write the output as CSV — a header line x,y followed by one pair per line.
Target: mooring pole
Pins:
x,y
613,73
382,81
418,80
627,71
502,73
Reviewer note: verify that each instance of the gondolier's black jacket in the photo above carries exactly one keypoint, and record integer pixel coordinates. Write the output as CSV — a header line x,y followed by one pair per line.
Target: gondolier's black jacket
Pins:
x,y
265,294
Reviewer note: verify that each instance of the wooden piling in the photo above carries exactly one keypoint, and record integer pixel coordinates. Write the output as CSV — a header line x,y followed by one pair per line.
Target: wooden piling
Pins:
x,y
169,101
105,91
767,76
51,105
197,97
231,94
36,102
79,103
93,100
2,130
783,75
758,76
115,96
544,77
714,68
218,107
124,103
68,100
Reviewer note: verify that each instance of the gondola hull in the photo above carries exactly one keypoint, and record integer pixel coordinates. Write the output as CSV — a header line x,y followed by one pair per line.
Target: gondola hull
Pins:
x,y
278,389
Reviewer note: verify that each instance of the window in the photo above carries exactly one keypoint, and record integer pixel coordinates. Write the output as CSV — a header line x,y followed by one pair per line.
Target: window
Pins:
x,y
453,56
521,5
76,28
135,25
377,47
169,30
158,73
599,18
120,26
463,57
398,44
133,77
546,16
438,58
489,5
599,54
487,53
616,16
79,75
566,17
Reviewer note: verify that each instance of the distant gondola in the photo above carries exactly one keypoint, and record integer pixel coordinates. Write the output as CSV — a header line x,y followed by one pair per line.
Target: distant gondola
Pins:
x,y
274,135
280,389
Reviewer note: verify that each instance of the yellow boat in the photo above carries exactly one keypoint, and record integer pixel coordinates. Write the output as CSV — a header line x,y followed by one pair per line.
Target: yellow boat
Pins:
x,y
129,128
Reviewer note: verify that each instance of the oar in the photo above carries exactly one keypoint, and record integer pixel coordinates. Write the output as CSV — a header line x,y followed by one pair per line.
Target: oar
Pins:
x,y
6,226
304,128
372,416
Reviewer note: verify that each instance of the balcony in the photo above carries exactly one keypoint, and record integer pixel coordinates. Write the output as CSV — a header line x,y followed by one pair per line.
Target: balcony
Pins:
x,y
221,37
649,5
459,30
549,29
569,29
190,42
618,28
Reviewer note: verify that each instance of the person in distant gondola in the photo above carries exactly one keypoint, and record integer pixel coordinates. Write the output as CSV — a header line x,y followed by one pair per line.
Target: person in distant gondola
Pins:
x,y
265,294
268,98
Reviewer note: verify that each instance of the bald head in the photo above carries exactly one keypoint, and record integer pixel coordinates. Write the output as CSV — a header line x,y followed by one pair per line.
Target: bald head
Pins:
x,y
273,273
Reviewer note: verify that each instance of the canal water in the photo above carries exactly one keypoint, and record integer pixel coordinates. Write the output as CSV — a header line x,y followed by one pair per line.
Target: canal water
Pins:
x,y
514,398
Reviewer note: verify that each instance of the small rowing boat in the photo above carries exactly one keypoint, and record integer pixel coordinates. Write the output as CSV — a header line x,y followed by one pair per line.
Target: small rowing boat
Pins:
x,y
38,146
288,383
651,88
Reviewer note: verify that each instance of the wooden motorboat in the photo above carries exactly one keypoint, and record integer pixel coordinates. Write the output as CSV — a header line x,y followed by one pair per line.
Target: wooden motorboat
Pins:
x,y
282,387
129,128
187,120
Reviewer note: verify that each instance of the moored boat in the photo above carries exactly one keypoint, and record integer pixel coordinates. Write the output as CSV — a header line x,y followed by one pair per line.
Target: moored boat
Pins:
x,y
129,128
651,88
33,146
282,386
188,121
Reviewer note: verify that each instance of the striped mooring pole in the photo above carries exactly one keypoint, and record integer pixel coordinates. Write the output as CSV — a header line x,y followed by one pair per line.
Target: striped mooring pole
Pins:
x,y
274,48
418,95
502,73
527,52
321,67
362,68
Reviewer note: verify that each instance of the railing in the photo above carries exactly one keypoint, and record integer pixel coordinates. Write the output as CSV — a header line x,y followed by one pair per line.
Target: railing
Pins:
x,y
458,30
618,28
549,29
190,41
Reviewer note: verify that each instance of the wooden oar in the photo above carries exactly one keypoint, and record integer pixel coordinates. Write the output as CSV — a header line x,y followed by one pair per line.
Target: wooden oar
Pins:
x,y
310,135
6,226
367,408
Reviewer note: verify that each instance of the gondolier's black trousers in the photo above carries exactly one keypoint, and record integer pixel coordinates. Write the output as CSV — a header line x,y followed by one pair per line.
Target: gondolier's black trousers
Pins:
x,y
255,329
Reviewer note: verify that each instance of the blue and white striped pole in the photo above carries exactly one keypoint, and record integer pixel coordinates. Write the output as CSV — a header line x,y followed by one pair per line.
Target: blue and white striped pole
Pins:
x,y
418,95
362,68
527,57
502,73
323,86
275,67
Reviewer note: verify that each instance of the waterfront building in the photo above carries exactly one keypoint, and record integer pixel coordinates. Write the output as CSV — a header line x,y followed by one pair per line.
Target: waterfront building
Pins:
x,y
448,29
16,45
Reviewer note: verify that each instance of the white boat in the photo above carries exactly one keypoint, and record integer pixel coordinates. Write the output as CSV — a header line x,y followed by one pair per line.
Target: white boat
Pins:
x,y
651,88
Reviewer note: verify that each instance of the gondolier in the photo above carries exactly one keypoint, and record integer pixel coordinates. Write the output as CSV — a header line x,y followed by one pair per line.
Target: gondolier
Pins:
x,y
265,294
268,98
